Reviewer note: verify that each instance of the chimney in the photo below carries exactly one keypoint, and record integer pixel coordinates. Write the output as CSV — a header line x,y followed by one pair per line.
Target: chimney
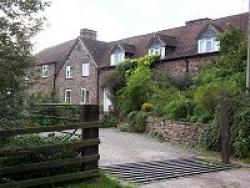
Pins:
x,y
88,34
198,21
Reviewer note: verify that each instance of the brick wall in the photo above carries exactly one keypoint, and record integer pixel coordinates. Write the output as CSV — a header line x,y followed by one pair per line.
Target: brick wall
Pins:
x,y
43,85
173,131
182,67
77,57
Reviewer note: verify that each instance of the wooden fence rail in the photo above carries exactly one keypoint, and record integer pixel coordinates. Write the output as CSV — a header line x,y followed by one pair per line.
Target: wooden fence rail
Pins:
x,y
86,161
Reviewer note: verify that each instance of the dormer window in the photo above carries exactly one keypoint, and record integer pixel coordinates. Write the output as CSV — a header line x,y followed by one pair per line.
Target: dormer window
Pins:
x,y
116,58
161,45
207,40
157,50
45,71
206,45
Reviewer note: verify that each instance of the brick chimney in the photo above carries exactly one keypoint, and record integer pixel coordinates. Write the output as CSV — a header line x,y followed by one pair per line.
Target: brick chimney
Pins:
x,y
198,21
88,34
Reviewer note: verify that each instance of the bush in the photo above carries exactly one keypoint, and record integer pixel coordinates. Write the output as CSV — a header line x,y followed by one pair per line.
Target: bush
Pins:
x,y
241,145
146,107
139,85
136,121
33,140
179,109
210,136
109,121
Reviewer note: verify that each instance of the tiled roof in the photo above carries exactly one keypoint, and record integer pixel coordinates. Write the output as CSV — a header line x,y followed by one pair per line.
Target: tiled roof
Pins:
x,y
55,54
183,38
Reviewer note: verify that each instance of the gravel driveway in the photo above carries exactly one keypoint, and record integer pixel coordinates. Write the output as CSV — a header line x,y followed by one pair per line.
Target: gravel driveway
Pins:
x,y
120,147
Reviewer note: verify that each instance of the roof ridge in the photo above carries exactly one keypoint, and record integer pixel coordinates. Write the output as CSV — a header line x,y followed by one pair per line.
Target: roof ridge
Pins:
x,y
56,45
177,27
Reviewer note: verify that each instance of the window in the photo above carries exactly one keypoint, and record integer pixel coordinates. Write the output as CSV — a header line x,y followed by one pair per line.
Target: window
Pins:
x,y
69,72
85,69
84,96
117,58
67,96
45,71
206,45
157,50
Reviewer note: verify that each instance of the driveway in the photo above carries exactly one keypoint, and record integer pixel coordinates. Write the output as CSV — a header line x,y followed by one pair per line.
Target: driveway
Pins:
x,y
120,147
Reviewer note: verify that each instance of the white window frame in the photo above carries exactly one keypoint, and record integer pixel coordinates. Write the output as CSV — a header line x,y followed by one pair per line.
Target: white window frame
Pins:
x,y
69,72
45,71
203,45
116,58
157,50
65,96
83,95
85,69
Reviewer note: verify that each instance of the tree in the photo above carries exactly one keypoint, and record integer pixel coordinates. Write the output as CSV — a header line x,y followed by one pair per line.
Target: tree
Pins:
x,y
19,22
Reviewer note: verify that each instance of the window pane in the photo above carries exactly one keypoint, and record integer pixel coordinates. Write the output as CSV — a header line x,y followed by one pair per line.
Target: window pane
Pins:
x,y
216,45
45,70
202,46
82,96
208,45
117,58
87,97
68,96
85,69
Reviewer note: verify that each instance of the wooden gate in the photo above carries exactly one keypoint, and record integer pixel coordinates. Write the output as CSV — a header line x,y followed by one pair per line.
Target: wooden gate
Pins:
x,y
87,148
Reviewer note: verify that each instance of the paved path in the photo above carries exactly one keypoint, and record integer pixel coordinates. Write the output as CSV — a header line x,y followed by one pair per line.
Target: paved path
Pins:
x,y
119,147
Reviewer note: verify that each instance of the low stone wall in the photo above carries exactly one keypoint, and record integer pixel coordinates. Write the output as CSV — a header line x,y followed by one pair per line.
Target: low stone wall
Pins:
x,y
173,131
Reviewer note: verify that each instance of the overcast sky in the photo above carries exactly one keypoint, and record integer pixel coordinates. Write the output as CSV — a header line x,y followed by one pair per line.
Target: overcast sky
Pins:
x,y
116,19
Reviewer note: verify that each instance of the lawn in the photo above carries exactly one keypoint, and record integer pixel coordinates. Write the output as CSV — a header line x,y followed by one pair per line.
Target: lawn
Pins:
x,y
104,182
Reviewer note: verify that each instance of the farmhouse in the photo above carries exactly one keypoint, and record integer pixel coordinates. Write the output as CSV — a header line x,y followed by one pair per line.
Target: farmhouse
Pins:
x,y
74,69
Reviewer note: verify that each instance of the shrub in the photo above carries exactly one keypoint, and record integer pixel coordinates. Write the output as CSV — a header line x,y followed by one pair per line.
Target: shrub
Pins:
x,y
33,140
139,85
241,145
146,107
210,136
123,126
179,109
136,121
207,96
109,121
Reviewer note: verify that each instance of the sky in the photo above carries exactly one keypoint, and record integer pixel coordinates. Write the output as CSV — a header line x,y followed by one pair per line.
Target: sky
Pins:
x,y
117,19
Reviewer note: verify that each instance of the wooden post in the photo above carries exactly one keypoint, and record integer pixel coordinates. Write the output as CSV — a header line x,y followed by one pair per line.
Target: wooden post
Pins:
x,y
90,113
224,130
248,56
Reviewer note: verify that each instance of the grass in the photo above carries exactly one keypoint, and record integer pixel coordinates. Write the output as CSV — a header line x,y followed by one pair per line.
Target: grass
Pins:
x,y
104,182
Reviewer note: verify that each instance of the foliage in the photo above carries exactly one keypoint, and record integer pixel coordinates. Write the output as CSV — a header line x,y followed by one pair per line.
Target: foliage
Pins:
x,y
139,84
207,96
33,140
109,121
123,126
136,121
210,136
179,109
103,182
241,145
146,107
19,22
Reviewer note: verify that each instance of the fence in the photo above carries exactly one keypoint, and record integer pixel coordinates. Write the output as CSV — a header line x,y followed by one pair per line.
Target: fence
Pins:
x,y
87,148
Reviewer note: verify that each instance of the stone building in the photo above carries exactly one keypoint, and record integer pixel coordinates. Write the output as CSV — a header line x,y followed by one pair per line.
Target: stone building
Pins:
x,y
75,69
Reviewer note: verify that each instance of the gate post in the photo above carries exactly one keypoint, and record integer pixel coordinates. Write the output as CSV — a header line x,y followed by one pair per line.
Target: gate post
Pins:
x,y
224,130
90,113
